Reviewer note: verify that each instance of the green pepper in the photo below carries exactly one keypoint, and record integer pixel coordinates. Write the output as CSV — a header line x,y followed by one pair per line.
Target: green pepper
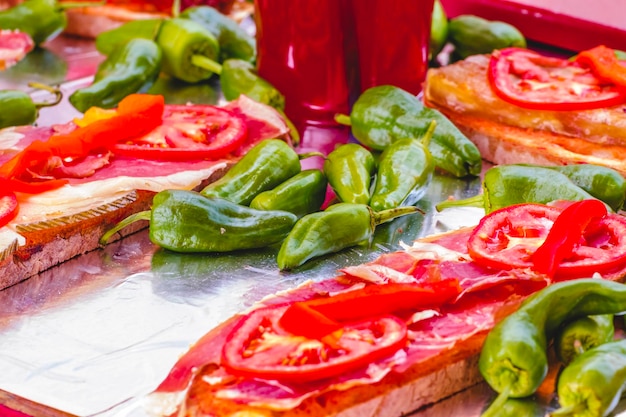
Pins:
x,y
473,35
43,20
505,185
185,43
19,109
580,335
384,114
108,41
514,360
519,407
592,385
262,168
239,77
186,221
349,169
132,68
340,226
301,194
405,170
438,30
234,41
603,183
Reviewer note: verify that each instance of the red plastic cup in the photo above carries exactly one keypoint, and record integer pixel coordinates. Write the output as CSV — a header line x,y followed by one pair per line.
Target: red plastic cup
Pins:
x,y
301,49
392,38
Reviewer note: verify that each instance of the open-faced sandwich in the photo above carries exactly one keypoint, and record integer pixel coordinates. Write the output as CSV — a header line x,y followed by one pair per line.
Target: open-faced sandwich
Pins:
x,y
63,186
517,106
390,336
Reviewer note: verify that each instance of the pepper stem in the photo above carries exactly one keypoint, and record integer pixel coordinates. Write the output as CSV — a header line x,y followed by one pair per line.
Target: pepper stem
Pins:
x,y
343,119
142,215
383,216
571,410
66,5
476,201
306,155
496,406
206,63
57,93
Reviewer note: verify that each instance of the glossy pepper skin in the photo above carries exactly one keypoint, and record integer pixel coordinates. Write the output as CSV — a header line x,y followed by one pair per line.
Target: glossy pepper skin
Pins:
x,y
593,383
505,185
108,41
262,168
19,109
239,77
578,336
513,359
301,194
182,42
234,41
384,114
41,19
349,169
340,226
131,68
405,170
603,183
186,221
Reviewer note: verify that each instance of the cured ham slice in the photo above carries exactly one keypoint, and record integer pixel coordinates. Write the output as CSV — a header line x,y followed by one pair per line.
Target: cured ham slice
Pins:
x,y
59,224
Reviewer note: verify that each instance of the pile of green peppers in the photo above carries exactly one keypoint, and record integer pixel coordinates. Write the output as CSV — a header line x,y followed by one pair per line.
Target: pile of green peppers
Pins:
x,y
385,114
505,185
514,357
264,199
191,47
401,173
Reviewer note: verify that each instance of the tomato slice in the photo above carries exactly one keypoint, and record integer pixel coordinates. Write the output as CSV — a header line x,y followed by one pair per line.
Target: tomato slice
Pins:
x,y
508,238
189,133
259,347
8,207
534,81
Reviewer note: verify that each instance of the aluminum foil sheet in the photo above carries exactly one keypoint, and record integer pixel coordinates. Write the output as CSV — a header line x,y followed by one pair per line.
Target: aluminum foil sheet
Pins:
x,y
94,335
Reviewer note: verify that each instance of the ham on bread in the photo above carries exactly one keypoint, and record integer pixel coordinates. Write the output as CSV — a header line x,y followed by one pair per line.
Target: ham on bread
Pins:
x,y
506,133
439,359
88,22
60,224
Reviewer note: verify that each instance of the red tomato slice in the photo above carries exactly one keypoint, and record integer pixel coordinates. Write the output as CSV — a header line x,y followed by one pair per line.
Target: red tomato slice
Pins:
x,y
8,208
14,46
189,133
259,347
531,80
508,238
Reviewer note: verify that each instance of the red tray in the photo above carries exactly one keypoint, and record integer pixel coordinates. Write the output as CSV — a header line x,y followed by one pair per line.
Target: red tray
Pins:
x,y
568,24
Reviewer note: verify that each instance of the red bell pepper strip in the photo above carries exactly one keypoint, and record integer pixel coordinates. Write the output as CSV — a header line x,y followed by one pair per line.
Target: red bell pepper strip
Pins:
x,y
136,115
565,234
604,64
321,316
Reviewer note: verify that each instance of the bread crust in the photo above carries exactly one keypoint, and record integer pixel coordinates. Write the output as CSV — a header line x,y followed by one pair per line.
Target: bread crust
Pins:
x,y
503,144
51,242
